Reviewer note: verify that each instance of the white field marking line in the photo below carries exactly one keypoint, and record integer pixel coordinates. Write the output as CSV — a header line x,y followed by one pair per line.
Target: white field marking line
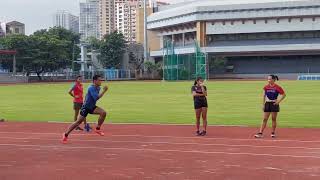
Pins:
x,y
61,147
156,124
171,143
174,137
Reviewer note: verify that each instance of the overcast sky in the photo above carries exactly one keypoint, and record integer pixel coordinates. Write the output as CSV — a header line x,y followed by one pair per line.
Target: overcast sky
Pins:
x,y
38,14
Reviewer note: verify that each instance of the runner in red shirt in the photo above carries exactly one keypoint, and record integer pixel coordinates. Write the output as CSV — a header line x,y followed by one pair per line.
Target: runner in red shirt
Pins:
x,y
77,93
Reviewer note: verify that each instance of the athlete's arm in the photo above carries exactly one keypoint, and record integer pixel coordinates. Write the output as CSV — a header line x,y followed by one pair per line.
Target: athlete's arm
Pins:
x,y
105,89
195,94
204,90
263,99
70,91
282,97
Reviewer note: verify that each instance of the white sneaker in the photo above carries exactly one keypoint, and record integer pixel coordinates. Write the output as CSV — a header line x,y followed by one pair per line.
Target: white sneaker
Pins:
x,y
258,135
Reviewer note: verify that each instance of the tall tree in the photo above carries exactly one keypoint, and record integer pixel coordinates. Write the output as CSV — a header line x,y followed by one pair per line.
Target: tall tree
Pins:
x,y
22,44
136,59
95,43
112,50
45,50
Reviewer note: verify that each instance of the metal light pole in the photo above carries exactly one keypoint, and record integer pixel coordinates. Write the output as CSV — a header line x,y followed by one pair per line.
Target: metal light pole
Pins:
x,y
72,66
145,45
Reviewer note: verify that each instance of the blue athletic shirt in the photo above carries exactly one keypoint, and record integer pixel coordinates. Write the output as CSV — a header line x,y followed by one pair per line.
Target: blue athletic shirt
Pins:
x,y
92,97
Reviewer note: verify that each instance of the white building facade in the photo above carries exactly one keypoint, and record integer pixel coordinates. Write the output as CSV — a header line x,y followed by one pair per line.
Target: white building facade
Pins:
x,y
273,37
89,19
66,20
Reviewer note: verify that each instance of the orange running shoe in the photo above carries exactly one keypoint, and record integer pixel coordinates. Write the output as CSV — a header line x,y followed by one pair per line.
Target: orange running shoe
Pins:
x,y
64,138
100,132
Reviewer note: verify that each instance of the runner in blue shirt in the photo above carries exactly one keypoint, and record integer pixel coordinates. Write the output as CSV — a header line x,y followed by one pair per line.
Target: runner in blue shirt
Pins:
x,y
89,107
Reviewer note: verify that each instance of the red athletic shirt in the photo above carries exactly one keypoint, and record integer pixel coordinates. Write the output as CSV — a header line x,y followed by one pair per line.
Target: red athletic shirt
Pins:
x,y
77,92
272,92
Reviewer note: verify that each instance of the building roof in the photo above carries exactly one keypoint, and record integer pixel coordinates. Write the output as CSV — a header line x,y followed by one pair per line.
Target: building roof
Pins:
x,y
14,23
182,9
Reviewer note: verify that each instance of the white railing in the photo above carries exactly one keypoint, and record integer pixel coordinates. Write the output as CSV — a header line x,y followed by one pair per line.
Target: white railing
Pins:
x,y
119,74
309,77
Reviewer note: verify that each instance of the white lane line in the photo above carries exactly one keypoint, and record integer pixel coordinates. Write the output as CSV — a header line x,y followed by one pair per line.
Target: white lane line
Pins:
x,y
174,137
166,142
154,124
65,147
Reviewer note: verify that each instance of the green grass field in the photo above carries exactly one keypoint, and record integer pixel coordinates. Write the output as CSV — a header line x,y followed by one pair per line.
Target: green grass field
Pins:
x,y
230,103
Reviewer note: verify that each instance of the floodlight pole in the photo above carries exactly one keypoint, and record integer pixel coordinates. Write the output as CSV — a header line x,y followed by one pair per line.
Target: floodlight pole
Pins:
x,y
14,65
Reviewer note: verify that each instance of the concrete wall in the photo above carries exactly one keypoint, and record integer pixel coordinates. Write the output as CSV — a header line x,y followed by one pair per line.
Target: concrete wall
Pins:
x,y
5,78
153,38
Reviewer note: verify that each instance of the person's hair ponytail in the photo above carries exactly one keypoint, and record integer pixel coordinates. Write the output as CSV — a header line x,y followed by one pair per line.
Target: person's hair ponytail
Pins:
x,y
274,77
196,81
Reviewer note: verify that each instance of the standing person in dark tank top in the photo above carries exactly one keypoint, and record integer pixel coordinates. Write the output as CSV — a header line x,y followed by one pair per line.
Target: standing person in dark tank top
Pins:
x,y
199,93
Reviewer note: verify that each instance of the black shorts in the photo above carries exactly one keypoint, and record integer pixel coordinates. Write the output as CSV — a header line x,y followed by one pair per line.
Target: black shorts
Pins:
x,y
270,107
200,104
85,111
77,105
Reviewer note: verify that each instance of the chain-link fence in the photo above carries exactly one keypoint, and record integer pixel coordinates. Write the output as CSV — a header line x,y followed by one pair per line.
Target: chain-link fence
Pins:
x,y
183,66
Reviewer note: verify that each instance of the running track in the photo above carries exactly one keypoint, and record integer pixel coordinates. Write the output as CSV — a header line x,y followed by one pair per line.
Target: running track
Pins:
x,y
33,151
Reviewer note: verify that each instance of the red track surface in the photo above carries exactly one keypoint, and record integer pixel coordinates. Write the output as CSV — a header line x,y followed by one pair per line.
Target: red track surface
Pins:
x,y
33,151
